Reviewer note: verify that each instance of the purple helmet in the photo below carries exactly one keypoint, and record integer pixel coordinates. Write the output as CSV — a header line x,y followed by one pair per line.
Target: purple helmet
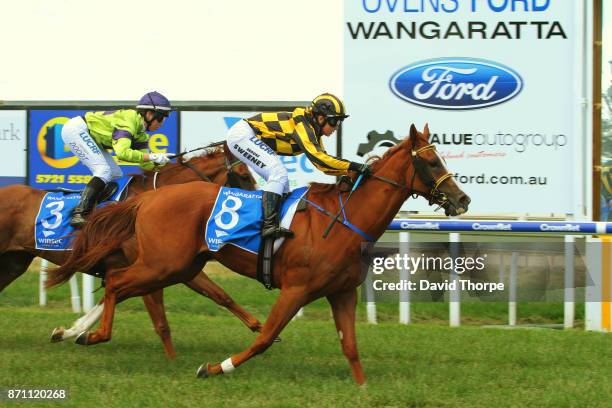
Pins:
x,y
154,101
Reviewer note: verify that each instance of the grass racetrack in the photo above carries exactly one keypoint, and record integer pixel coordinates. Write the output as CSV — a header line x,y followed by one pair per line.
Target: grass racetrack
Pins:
x,y
426,364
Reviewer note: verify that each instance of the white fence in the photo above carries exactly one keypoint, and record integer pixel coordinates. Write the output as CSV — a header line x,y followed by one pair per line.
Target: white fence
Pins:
x,y
598,314
598,256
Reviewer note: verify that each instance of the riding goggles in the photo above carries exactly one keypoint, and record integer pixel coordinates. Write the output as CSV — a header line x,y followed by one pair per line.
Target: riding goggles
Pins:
x,y
334,120
160,116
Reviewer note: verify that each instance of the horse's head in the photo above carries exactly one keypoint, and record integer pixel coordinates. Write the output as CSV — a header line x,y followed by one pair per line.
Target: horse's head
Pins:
x,y
424,173
430,178
215,165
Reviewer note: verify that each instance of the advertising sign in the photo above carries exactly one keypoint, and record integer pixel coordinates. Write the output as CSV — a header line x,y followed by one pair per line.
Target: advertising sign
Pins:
x,y
13,147
52,164
495,81
202,128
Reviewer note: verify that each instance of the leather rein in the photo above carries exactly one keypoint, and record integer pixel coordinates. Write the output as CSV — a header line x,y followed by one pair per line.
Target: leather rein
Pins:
x,y
226,164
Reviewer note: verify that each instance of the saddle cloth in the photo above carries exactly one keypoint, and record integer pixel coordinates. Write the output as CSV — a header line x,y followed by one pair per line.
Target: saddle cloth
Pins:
x,y
237,216
52,231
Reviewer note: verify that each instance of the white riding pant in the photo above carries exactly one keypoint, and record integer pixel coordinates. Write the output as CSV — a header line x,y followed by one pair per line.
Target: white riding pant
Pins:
x,y
253,152
100,162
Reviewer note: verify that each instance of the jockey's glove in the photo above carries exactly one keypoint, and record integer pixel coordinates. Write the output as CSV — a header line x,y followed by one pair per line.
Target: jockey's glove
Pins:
x,y
361,168
159,158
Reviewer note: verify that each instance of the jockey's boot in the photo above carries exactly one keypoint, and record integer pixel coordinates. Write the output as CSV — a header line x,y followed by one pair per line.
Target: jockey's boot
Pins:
x,y
271,216
89,196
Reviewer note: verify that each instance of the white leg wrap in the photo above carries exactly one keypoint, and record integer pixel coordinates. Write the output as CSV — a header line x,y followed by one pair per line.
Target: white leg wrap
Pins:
x,y
85,322
227,366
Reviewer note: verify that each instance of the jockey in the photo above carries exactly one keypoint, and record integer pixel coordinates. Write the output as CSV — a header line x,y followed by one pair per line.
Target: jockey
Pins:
x,y
123,130
259,140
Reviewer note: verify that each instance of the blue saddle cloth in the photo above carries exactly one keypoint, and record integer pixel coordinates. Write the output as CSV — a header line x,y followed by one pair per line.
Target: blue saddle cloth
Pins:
x,y
52,231
237,218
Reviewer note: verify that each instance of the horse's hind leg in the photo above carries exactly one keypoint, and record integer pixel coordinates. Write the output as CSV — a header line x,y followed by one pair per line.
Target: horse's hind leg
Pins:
x,y
109,301
343,307
103,333
81,325
286,306
205,286
155,306
124,283
12,266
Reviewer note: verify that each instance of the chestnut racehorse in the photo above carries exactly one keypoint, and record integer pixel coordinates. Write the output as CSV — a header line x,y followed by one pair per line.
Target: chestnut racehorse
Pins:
x,y
19,206
306,267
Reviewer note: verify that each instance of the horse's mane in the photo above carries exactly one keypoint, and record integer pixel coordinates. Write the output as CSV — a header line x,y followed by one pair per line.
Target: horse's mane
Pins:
x,y
210,151
375,162
315,188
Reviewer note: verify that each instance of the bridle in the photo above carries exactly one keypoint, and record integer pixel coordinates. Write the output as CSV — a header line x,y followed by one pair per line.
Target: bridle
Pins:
x,y
435,196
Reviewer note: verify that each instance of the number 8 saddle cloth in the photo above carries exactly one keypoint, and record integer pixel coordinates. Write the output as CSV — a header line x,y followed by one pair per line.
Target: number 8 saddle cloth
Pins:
x,y
236,218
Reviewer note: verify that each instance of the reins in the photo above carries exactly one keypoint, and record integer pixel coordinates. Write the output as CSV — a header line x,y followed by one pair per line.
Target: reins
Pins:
x,y
435,196
225,164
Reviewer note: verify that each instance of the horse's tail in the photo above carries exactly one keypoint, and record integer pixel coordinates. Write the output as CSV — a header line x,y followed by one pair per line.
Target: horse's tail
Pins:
x,y
105,231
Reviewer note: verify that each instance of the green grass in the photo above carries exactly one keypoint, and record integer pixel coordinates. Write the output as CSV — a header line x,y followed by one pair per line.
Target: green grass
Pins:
x,y
426,364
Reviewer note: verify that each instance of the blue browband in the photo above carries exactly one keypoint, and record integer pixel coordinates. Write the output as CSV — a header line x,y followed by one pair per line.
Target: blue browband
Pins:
x,y
343,221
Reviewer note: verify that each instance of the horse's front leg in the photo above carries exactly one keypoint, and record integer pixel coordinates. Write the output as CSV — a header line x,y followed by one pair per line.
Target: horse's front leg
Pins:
x,y
286,306
104,332
343,307
12,266
82,324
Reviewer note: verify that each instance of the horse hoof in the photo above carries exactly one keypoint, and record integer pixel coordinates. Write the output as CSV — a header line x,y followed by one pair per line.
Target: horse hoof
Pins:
x,y
82,339
278,339
57,335
203,371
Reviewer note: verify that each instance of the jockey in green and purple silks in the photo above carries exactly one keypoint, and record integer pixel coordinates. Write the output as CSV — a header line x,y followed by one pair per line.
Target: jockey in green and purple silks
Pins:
x,y
123,130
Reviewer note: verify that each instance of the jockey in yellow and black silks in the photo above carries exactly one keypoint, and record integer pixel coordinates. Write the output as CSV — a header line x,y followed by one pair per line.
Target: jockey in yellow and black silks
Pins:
x,y
258,140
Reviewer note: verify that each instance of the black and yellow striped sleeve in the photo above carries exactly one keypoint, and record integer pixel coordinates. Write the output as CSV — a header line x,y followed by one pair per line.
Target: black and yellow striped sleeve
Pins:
x,y
305,137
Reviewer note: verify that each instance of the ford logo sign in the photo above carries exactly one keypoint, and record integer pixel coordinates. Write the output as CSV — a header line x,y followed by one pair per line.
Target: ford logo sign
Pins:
x,y
456,83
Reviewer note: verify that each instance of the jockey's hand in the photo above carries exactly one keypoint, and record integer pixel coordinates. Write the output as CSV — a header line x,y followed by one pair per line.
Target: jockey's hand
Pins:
x,y
361,168
159,158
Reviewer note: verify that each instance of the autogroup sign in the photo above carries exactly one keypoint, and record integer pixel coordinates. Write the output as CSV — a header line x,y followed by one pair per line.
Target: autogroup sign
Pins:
x,y
495,80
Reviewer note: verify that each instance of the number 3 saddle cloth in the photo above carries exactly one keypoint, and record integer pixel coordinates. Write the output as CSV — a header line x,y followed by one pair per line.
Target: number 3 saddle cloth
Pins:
x,y
52,231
